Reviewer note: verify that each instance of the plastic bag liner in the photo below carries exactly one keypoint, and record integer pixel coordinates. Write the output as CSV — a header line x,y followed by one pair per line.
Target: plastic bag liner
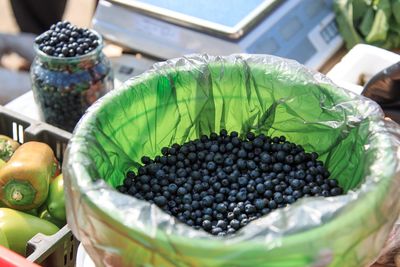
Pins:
x,y
180,99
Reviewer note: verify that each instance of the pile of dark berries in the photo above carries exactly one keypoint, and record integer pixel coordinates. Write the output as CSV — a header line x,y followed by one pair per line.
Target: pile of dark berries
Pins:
x,y
66,40
222,182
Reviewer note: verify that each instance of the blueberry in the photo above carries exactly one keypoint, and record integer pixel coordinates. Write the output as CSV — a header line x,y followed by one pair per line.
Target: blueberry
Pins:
x,y
160,201
236,211
160,174
211,166
316,190
278,197
234,134
250,136
336,191
228,162
187,199
181,191
242,154
277,167
325,193
242,181
214,148
309,178
123,189
216,186
171,160
229,147
333,182
64,51
306,189
241,196
251,165
260,204
300,174
254,174
207,201
208,211
268,194
206,225
297,194
244,222
219,198
219,216
295,183
278,188
250,196
241,164
248,146
235,141
319,179
225,182
216,231
325,187
289,159
235,224
242,217
249,209
222,224
221,208
221,175
272,205
290,199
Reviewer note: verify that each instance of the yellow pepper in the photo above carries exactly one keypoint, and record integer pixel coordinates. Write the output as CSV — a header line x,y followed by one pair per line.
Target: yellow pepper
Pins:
x,y
24,180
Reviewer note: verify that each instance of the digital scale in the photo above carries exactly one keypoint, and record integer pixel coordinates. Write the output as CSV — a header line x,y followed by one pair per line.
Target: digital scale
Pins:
x,y
303,30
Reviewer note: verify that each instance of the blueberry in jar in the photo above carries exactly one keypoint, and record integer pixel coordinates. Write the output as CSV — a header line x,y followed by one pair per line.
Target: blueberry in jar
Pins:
x,y
66,78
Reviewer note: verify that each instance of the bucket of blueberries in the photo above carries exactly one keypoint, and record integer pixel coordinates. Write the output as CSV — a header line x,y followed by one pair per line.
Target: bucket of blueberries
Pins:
x,y
244,160
69,73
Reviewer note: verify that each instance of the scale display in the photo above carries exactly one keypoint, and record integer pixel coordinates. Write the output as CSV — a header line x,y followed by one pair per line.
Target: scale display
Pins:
x,y
228,17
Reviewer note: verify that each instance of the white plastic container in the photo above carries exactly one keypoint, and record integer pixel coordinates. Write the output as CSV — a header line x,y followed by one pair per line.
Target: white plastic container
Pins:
x,y
361,60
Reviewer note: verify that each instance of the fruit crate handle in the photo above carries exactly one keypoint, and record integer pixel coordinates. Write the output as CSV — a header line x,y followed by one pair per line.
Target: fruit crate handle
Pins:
x,y
41,246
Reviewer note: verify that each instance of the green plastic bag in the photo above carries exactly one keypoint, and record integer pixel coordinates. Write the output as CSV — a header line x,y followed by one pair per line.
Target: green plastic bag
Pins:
x,y
180,99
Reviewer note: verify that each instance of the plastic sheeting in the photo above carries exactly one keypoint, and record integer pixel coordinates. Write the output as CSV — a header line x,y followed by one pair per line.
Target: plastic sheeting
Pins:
x,y
180,99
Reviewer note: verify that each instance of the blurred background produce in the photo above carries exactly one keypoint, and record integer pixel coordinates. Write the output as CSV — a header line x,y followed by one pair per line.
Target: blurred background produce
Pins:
x,y
13,66
375,22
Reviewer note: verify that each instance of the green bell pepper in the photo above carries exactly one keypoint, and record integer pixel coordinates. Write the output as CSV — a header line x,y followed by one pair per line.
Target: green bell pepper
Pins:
x,y
55,201
45,215
20,227
3,240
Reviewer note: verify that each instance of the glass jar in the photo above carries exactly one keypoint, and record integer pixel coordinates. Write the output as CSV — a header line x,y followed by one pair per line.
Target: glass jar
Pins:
x,y
64,87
